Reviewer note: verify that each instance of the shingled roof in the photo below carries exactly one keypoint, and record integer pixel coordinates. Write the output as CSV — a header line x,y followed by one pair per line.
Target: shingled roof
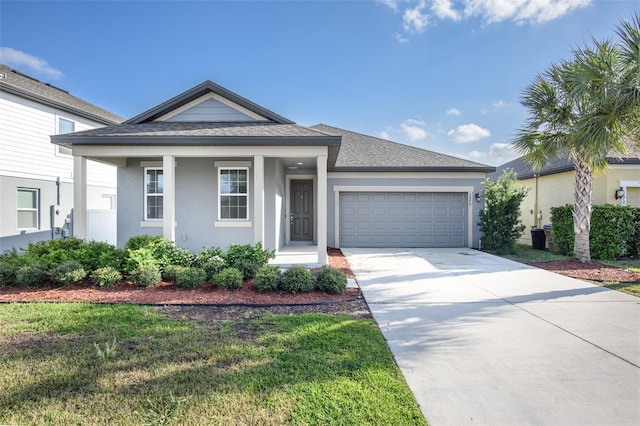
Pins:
x,y
20,84
360,152
561,164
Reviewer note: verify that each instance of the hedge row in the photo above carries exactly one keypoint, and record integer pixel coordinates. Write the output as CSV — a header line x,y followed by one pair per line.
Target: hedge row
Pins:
x,y
615,231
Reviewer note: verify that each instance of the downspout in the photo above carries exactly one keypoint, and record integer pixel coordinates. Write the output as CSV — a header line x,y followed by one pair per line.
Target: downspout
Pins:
x,y
536,218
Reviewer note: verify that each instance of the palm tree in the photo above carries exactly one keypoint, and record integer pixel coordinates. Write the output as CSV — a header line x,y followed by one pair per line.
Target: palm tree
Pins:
x,y
585,108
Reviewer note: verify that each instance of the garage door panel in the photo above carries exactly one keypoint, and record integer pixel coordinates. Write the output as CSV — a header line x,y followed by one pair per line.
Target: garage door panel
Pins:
x,y
381,219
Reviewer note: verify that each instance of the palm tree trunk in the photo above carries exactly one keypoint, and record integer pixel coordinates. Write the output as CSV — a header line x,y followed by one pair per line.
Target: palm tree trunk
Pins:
x,y
582,211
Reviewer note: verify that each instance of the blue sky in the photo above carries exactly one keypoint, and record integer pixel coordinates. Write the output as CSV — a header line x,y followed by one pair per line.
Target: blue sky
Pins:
x,y
438,74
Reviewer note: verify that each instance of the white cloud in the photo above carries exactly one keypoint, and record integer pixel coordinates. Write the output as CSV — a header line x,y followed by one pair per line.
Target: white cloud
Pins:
x,y
499,104
412,128
415,20
453,111
468,133
443,9
475,155
400,38
19,59
384,135
501,152
391,4
521,11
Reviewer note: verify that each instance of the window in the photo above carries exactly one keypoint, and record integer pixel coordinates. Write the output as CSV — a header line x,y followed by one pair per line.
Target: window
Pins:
x,y
153,190
28,208
65,126
233,193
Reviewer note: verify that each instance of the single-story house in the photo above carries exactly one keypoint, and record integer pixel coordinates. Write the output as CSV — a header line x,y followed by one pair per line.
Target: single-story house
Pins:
x,y
553,186
210,168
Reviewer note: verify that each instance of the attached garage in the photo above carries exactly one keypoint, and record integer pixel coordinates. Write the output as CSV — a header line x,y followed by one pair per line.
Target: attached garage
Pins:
x,y
403,219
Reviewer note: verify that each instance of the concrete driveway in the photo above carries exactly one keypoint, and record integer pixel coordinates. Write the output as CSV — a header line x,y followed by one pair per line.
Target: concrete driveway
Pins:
x,y
482,340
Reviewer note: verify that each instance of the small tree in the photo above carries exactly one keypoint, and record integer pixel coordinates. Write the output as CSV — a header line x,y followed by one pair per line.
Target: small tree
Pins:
x,y
500,220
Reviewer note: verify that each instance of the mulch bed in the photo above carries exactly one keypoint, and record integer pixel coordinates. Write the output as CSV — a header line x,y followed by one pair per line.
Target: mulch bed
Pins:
x,y
229,303
593,271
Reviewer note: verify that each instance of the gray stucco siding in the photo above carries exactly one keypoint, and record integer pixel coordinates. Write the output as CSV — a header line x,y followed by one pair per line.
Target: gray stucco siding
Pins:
x,y
388,183
196,192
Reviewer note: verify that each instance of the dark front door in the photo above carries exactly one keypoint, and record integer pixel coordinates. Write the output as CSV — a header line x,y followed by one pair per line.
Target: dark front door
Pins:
x,y
301,210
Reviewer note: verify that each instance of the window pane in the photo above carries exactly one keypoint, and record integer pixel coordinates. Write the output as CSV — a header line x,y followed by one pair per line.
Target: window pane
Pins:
x,y
154,207
154,182
27,219
27,199
65,126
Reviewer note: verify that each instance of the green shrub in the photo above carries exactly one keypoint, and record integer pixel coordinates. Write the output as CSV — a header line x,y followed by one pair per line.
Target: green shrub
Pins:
x,y
297,279
97,254
166,253
106,276
211,260
633,247
330,280
68,273
188,277
500,222
268,278
146,275
612,228
249,254
52,253
562,228
229,278
248,267
170,272
34,275
139,257
7,274
613,233
140,241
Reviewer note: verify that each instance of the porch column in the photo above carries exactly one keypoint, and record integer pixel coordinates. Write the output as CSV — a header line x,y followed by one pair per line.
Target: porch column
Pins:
x,y
169,197
80,197
322,209
258,199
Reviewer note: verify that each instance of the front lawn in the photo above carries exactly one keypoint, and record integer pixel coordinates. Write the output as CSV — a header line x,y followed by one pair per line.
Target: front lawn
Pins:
x,y
82,363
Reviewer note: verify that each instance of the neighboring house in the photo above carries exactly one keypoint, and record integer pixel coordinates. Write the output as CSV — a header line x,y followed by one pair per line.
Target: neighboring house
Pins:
x,y
210,168
36,178
554,185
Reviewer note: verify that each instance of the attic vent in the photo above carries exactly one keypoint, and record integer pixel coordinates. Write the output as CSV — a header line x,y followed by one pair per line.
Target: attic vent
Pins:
x,y
3,75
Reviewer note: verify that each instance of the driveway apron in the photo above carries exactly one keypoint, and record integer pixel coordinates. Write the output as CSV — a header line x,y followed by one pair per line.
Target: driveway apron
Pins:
x,y
482,340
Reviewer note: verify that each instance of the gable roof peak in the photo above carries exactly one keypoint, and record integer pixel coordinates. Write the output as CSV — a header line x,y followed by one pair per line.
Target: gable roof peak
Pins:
x,y
198,91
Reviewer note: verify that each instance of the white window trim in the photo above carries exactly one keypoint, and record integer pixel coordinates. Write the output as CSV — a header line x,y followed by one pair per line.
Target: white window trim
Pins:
x,y
59,149
237,221
36,209
145,194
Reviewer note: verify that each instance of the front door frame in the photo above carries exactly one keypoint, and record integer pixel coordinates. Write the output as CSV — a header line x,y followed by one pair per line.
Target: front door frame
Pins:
x,y
288,195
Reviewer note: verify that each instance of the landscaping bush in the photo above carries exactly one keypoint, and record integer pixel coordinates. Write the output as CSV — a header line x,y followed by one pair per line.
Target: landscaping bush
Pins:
x,y
166,253
612,228
268,278
7,274
68,273
140,257
97,254
140,241
146,275
330,280
500,222
297,279
34,275
52,253
562,228
229,278
170,272
249,254
613,233
106,276
188,277
633,247
248,267
211,260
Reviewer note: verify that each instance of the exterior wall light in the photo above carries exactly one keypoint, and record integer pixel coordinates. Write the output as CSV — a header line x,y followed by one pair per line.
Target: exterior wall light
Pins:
x,y
478,196
619,193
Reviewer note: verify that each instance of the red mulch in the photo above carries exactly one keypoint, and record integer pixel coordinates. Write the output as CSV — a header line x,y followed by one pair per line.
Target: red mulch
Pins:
x,y
593,271
165,293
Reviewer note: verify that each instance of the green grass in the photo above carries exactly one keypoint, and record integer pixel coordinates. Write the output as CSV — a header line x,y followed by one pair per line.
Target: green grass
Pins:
x,y
83,363
527,254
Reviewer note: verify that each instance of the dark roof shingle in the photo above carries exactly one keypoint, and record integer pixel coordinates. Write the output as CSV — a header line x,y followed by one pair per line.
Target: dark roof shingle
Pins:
x,y
360,152
13,81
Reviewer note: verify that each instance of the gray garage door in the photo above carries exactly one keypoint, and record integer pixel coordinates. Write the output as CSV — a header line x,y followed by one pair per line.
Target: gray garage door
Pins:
x,y
399,219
